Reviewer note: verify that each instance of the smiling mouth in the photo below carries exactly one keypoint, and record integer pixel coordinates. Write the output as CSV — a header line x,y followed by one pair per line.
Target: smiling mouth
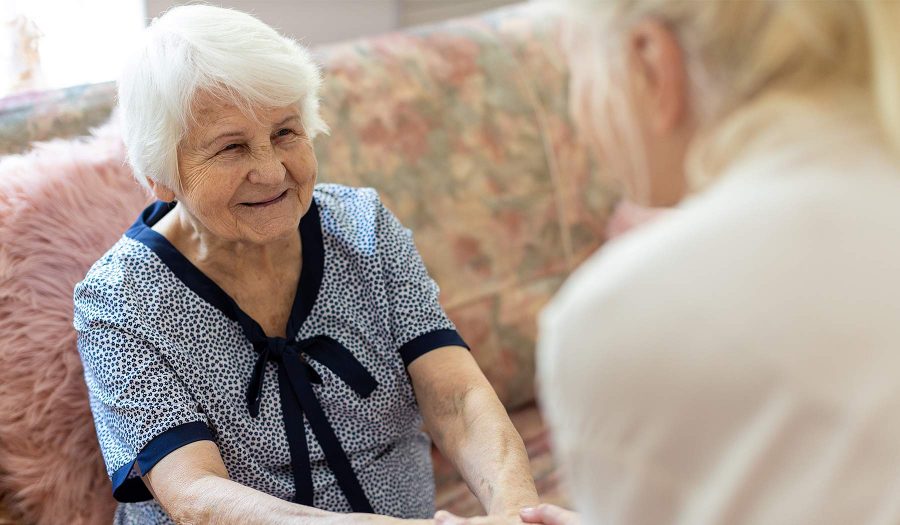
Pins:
x,y
262,204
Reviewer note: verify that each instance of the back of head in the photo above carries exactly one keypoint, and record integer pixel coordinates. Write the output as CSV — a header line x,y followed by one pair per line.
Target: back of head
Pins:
x,y
745,57
223,52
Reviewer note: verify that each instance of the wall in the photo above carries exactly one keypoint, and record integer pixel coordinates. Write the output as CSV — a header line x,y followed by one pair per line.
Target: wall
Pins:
x,y
416,12
323,21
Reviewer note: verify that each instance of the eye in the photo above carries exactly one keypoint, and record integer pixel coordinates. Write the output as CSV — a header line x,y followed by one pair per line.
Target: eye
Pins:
x,y
231,147
284,132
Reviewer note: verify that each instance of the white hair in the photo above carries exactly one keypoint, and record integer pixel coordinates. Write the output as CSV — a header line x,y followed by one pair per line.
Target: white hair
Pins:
x,y
742,55
199,48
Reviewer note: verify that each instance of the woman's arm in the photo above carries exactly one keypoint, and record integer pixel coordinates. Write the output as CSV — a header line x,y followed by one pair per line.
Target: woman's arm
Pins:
x,y
470,426
192,486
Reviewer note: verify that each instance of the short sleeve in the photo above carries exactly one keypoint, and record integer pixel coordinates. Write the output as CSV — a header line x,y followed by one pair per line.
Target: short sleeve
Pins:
x,y
142,410
418,321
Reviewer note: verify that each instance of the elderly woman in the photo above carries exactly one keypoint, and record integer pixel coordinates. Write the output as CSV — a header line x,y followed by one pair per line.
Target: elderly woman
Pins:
x,y
736,362
260,349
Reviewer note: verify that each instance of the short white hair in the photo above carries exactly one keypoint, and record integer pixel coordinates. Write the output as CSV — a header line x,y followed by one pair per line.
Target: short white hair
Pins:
x,y
201,48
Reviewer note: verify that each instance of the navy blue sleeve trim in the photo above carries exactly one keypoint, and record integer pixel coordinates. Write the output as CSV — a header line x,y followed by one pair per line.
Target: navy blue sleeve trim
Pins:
x,y
430,341
132,490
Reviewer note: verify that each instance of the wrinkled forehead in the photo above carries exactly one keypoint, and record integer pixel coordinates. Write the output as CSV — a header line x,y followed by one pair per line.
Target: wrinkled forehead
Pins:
x,y
211,109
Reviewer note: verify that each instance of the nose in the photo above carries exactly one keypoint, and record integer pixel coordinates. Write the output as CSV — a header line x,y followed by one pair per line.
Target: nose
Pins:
x,y
268,168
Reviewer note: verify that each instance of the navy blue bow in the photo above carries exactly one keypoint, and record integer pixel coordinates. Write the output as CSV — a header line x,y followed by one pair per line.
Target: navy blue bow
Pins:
x,y
295,378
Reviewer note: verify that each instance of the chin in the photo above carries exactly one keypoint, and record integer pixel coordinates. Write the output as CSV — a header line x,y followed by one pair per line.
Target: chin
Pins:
x,y
267,234
275,229
273,223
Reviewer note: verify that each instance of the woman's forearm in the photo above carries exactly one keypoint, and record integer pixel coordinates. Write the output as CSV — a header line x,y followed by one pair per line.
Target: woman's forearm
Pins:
x,y
218,501
475,433
471,427
193,487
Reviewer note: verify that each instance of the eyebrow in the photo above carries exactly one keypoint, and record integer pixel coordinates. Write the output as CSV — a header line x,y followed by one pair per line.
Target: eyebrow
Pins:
x,y
227,134
239,134
288,119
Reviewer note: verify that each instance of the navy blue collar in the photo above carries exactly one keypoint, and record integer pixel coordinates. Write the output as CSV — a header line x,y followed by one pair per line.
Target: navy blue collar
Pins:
x,y
298,398
307,287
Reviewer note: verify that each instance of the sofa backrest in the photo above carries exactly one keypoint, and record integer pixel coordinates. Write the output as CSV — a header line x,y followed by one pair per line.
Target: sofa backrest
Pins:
x,y
463,128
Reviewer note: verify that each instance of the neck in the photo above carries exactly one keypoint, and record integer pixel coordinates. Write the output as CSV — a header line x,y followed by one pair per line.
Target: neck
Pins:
x,y
226,257
775,122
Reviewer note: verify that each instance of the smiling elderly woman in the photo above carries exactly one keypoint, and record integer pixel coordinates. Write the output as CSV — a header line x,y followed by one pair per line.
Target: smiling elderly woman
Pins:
x,y
259,349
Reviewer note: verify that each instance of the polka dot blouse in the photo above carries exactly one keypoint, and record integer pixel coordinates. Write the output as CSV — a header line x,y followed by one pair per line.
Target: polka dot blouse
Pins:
x,y
326,417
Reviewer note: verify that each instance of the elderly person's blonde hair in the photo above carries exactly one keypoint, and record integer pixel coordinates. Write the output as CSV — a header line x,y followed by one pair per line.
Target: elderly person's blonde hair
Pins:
x,y
204,49
746,58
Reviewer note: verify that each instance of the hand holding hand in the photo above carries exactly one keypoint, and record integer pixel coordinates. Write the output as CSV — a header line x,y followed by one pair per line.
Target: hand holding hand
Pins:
x,y
372,519
442,517
544,513
549,515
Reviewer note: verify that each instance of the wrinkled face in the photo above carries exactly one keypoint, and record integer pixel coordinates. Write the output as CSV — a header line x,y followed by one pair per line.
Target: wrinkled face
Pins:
x,y
246,179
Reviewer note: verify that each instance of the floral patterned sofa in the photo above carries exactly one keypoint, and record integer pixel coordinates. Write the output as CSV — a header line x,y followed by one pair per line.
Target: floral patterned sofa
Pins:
x,y
463,129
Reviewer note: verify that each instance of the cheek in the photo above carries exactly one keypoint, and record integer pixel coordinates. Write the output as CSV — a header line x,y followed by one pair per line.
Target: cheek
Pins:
x,y
580,87
614,131
589,100
592,114
596,121
302,165
602,108
209,187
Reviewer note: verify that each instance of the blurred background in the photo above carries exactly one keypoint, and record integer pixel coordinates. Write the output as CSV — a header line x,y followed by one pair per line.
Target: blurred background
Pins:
x,y
47,44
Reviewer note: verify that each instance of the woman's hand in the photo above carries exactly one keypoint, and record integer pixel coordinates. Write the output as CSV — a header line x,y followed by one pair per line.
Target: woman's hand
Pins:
x,y
549,515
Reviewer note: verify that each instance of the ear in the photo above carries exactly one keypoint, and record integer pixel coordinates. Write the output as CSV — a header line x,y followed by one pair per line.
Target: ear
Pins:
x,y
161,192
658,61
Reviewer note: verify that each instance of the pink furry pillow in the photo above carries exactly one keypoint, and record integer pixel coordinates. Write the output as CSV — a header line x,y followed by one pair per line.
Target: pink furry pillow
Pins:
x,y
61,206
